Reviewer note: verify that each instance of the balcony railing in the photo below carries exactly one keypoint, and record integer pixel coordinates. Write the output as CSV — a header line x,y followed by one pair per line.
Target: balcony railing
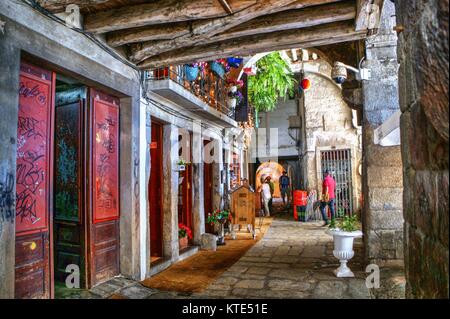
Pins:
x,y
208,87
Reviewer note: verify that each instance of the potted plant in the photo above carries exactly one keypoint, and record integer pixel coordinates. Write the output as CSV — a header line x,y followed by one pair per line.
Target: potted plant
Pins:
x,y
182,165
344,232
219,218
184,234
234,97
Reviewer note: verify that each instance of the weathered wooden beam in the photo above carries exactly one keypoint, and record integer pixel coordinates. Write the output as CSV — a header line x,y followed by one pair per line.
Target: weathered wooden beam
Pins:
x,y
226,6
298,38
150,33
363,8
292,19
60,5
175,30
201,30
368,14
158,12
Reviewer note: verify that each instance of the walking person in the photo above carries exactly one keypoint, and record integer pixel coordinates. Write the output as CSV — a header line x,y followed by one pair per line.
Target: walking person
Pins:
x,y
272,190
328,196
266,195
285,184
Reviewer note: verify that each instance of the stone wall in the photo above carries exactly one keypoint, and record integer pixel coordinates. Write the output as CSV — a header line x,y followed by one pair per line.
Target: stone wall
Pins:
x,y
327,122
423,54
382,167
328,125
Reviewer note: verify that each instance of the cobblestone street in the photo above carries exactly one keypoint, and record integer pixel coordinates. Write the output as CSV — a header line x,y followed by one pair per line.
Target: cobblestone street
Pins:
x,y
293,260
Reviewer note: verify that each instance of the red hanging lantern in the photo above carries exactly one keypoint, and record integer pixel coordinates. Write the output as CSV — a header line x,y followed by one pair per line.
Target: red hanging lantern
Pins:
x,y
305,84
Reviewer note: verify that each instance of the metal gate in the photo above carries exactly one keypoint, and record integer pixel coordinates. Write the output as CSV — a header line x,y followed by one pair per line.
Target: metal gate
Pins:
x,y
339,163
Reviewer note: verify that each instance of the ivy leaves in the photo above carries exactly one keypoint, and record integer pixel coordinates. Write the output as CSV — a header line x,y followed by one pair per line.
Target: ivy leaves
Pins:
x,y
273,80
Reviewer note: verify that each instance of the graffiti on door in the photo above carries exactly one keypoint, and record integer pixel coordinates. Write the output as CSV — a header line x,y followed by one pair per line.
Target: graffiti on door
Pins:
x,y
7,201
32,153
106,161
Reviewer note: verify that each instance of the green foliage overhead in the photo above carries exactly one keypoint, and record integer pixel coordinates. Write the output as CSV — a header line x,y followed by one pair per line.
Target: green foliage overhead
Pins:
x,y
274,79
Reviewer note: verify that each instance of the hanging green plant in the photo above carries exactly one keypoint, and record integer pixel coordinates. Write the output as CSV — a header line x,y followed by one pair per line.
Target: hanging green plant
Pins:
x,y
273,80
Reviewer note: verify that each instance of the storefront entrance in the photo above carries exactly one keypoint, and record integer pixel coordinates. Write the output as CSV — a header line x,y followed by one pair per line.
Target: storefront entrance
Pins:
x,y
67,207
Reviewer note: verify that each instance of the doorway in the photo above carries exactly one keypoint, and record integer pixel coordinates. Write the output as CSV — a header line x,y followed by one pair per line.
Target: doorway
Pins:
x,y
207,187
67,208
69,220
185,182
155,193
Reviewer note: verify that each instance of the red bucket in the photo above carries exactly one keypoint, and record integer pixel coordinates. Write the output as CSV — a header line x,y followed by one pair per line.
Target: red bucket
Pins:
x,y
300,199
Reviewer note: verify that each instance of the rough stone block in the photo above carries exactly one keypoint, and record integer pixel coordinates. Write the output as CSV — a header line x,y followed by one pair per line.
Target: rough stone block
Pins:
x,y
384,220
384,176
386,198
208,242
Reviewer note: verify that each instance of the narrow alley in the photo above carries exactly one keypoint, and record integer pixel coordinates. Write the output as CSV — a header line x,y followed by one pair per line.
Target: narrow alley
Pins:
x,y
224,149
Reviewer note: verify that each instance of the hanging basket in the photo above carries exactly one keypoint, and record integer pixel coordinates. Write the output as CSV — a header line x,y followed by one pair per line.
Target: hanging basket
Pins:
x,y
191,72
218,69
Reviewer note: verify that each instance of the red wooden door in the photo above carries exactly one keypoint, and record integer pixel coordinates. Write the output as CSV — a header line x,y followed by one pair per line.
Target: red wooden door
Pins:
x,y
207,190
185,190
155,191
103,187
33,267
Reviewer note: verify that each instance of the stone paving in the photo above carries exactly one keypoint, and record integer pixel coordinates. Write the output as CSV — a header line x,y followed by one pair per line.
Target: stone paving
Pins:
x,y
293,260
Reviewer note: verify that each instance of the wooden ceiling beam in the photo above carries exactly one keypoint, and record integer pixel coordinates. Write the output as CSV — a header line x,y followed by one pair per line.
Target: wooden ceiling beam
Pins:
x,y
175,30
299,38
150,33
158,12
293,19
60,5
168,11
201,30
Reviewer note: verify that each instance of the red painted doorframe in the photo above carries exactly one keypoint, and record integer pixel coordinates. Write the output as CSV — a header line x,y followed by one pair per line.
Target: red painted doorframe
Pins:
x,y
34,184
156,191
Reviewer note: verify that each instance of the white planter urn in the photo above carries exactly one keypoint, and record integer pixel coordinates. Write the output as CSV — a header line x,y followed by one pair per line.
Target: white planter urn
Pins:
x,y
343,249
232,103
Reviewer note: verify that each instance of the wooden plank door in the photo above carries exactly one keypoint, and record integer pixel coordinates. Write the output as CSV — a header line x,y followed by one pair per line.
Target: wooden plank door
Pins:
x,y
69,218
155,192
33,266
207,190
103,187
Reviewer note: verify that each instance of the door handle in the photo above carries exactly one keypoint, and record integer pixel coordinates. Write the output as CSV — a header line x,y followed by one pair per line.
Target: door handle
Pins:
x,y
32,244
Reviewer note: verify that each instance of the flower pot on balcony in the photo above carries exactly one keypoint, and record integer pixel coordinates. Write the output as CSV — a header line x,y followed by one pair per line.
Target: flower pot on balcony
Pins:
x,y
218,69
191,72
343,249
231,103
183,242
233,89
181,167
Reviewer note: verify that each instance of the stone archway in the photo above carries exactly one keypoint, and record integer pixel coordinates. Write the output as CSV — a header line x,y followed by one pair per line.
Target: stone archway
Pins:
x,y
275,170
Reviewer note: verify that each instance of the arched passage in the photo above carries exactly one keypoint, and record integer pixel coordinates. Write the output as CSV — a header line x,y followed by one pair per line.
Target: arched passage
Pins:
x,y
272,169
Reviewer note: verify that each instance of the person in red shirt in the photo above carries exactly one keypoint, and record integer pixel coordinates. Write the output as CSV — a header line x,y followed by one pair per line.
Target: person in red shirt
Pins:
x,y
328,197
